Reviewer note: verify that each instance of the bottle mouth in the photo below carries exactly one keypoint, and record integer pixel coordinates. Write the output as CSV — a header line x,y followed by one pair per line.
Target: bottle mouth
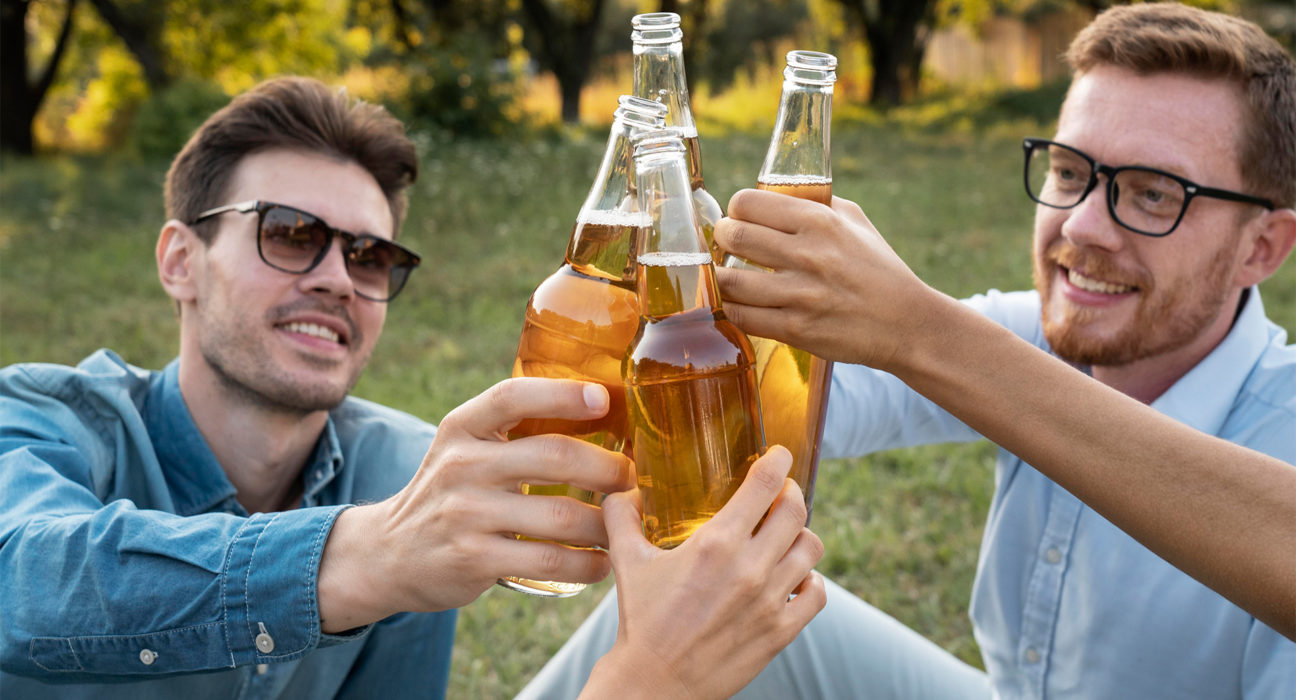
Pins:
x,y
811,67
657,142
655,28
643,114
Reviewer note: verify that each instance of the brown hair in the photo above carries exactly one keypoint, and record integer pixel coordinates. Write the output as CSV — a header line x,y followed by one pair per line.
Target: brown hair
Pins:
x,y
1169,37
293,113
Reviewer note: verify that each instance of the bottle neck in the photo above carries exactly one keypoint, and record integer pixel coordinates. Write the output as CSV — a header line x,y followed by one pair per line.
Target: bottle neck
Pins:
x,y
659,75
610,220
675,272
801,143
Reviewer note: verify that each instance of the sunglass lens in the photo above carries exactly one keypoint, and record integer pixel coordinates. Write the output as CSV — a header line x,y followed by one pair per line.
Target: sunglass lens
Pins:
x,y
291,240
378,266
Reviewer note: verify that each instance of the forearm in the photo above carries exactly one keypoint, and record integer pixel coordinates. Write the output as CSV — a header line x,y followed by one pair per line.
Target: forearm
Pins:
x,y
1223,514
86,594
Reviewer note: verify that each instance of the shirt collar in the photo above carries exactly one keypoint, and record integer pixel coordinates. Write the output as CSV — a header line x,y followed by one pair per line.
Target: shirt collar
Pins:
x,y
1203,397
195,478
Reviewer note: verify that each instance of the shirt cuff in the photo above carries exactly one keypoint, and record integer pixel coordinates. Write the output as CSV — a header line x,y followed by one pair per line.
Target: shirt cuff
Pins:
x,y
270,586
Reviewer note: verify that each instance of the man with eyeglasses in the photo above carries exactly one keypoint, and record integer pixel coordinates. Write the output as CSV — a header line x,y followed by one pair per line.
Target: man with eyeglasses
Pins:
x,y
236,525
1165,196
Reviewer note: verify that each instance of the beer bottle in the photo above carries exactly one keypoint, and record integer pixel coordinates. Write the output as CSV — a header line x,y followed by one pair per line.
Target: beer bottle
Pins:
x,y
580,320
793,383
690,384
659,75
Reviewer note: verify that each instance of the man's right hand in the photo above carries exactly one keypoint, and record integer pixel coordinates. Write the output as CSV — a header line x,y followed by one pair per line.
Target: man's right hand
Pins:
x,y
449,534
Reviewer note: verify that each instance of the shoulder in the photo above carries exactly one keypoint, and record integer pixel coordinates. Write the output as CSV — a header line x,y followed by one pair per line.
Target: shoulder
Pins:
x,y
1265,408
371,433
357,416
101,385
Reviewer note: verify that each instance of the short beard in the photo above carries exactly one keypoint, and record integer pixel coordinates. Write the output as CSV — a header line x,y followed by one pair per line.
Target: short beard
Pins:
x,y
1160,325
286,398
248,377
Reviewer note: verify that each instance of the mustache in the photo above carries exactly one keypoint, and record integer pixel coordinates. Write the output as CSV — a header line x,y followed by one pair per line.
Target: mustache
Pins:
x,y
279,314
1094,263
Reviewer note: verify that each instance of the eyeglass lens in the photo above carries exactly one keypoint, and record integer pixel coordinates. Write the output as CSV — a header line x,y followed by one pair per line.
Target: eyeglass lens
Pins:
x,y
295,242
1142,199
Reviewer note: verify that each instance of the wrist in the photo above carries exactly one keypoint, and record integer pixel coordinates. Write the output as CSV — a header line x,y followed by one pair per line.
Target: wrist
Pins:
x,y
350,584
622,675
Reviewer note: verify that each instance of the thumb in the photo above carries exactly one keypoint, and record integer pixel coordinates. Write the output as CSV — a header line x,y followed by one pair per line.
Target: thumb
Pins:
x,y
624,523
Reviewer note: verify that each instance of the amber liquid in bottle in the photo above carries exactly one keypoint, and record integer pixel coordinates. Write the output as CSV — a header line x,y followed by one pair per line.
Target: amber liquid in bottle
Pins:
x,y
691,398
578,325
792,381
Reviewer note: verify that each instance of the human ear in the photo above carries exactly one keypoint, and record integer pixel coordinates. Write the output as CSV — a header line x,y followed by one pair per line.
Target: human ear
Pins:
x,y
176,251
1271,242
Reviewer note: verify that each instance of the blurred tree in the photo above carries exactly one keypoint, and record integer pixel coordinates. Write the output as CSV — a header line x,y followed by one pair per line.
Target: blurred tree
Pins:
x,y
139,24
20,98
693,22
747,35
896,32
562,41
447,64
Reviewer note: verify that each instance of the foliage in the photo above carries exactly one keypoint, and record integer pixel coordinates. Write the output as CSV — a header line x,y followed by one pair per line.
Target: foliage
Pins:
x,y
166,120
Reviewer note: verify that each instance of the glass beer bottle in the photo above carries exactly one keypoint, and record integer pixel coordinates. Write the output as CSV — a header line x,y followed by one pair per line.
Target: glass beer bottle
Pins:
x,y
690,383
659,75
793,383
580,320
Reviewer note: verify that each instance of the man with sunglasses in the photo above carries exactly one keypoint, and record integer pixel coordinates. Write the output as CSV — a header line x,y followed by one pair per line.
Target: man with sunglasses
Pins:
x,y
1165,196
236,525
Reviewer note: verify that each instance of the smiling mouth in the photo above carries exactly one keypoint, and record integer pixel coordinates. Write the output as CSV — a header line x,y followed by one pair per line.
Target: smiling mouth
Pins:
x,y
314,330
1092,285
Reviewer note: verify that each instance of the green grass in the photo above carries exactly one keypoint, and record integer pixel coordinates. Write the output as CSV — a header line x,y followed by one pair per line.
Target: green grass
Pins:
x,y
901,528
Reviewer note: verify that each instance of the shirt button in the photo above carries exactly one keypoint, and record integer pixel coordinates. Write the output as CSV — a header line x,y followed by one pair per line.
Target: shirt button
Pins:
x,y
264,642
148,656
1053,555
1032,656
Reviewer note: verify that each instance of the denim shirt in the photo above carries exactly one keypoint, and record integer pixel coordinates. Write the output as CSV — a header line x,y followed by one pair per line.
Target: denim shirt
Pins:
x,y
1066,605
128,568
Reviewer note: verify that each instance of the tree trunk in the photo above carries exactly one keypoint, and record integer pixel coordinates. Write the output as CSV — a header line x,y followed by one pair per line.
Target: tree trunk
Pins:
x,y
21,100
896,32
566,48
142,32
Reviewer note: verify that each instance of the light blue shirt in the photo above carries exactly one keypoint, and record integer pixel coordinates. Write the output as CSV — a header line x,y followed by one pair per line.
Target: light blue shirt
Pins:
x,y
129,570
1065,604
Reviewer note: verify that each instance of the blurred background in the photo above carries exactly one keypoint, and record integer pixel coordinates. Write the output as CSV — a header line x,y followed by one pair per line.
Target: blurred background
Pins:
x,y
508,102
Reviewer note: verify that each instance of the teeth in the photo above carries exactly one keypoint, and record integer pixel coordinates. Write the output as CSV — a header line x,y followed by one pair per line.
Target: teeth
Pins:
x,y
313,329
1093,285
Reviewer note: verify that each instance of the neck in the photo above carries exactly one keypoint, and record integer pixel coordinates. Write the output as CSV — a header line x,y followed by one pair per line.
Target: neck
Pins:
x,y
263,450
1147,379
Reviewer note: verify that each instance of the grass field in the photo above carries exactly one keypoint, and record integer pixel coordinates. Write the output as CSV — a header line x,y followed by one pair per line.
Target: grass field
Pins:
x,y
491,219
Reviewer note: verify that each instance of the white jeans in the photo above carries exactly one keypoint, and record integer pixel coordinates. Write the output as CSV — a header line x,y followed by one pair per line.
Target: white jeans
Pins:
x,y
850,650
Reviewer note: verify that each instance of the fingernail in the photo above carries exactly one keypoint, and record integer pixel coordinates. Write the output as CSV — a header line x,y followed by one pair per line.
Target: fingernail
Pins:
x,y
596,397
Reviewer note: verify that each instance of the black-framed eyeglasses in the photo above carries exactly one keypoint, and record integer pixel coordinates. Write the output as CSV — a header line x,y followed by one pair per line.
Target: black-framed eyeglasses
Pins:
x,y
295,241
1144,200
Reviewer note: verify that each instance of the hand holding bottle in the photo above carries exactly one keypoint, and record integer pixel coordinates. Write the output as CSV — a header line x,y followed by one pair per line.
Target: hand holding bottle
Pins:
x,y
837,289
733,586
449,534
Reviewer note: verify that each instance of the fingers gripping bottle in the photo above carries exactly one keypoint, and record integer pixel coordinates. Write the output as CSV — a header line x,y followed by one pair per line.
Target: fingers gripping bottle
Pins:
x,y
793,383
690,383
659,75
580,320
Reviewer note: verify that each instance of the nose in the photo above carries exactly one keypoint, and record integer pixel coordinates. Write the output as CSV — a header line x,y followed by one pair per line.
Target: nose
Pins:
x,y
330,276
1090,222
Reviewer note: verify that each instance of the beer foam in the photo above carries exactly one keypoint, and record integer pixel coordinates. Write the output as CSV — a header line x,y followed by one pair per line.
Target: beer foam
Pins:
x,y
795,180
674,259
606,217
